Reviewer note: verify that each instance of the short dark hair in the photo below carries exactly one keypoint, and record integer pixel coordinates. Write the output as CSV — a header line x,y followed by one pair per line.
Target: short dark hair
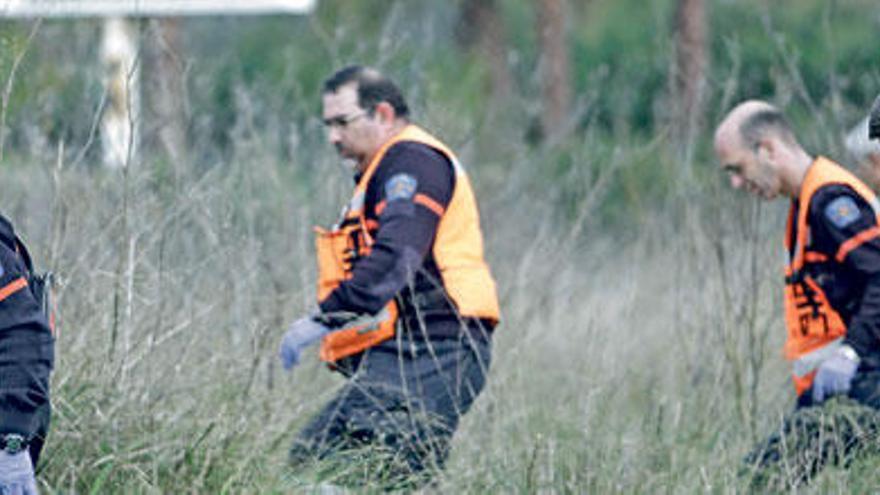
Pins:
x,y
763,122
372,88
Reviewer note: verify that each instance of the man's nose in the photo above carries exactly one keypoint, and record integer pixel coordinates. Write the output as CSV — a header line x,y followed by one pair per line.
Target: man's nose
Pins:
x,y
736,181
333,134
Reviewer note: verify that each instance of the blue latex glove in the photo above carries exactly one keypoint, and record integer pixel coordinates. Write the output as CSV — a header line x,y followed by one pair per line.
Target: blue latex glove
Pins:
x,y
301,334
835,374
17,474
874,120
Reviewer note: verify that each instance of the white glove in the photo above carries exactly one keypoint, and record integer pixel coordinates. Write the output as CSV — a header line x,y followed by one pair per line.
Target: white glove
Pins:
x,y
301,334
17,474
835,374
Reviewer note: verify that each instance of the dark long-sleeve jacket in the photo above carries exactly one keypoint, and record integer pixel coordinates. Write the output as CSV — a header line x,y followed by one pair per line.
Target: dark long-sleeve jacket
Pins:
x,y
843,226
404,203
26,343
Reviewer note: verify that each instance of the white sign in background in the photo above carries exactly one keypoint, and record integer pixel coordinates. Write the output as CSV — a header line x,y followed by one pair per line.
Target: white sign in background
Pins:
x,y
149,8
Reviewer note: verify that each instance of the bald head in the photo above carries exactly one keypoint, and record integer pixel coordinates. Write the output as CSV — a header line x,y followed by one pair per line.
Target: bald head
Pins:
x,y
751,122
756,146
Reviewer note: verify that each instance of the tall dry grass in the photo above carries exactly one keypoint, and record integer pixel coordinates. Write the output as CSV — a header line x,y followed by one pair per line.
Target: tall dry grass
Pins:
x,y
630,360
638,356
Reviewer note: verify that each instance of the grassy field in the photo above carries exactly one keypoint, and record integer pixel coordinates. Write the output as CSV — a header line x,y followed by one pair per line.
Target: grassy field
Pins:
x,y
635,359
640,348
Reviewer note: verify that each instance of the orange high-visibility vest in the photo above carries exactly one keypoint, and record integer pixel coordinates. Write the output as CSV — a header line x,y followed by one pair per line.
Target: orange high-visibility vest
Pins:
x,y
815,328
457,251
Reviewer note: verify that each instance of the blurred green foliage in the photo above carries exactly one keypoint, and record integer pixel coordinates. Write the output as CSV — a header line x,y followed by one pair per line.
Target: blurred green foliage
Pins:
x,y
263,75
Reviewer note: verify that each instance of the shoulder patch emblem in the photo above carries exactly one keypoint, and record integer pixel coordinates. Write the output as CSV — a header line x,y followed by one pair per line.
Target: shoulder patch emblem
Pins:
x,y
401,186
842,211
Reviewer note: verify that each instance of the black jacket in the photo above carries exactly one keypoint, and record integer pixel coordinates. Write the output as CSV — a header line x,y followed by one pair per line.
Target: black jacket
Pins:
x,y
26,344
853,283
401,264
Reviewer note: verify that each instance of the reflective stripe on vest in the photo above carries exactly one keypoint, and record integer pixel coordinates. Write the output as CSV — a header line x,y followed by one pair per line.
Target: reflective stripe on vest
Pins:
x,y
457,250
12,287
814,326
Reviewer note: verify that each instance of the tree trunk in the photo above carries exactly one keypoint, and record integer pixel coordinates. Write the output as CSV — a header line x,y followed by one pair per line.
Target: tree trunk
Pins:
x,y
481,29
688,74
553,66
167,91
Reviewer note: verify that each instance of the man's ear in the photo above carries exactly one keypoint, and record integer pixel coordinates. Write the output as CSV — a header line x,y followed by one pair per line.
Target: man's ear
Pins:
x,y
767,149
385,112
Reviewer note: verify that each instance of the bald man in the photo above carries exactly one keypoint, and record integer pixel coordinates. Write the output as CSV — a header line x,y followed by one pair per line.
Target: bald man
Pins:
x,y
832,282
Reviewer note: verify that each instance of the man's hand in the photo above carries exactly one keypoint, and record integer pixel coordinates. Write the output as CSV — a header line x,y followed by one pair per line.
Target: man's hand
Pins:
x,y
835,374
874,120
301,334
17,474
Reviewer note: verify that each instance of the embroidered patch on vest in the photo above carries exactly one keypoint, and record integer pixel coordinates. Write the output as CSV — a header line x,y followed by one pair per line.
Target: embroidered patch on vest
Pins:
x,y
401,186
842,211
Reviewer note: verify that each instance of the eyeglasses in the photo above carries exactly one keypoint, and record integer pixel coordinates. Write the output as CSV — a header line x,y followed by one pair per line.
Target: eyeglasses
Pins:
x,y
342,121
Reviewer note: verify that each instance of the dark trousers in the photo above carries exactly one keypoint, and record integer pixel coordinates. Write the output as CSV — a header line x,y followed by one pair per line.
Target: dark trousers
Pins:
x,y
836,432
391,424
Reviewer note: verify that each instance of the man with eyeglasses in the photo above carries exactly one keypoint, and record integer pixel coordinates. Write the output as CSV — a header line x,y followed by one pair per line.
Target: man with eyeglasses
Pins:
x,y
832,295
26,360
407,304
